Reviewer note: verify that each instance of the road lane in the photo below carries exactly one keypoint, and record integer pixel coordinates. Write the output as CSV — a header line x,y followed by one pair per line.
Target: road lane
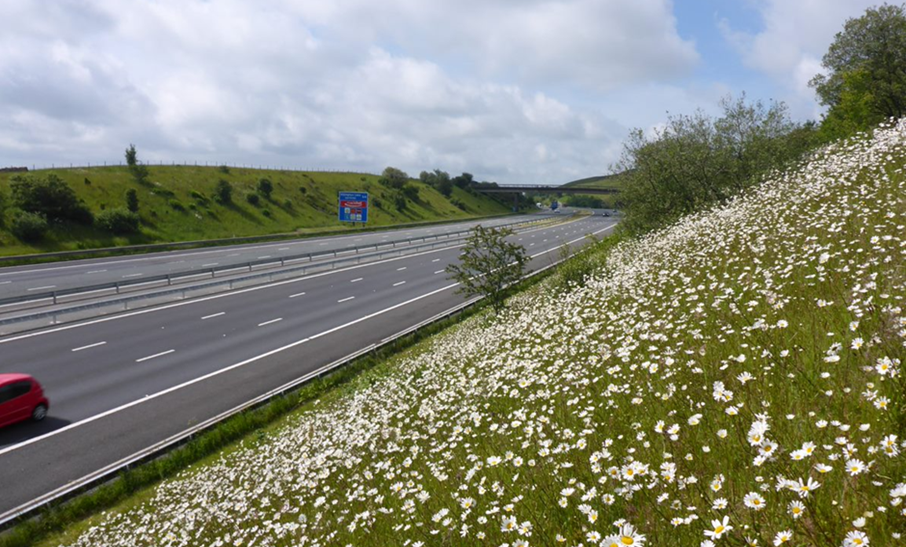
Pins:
x,y
146,353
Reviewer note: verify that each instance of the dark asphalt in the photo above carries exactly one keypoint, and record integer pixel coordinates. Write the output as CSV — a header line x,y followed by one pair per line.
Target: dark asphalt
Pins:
x,y
43,278
95,367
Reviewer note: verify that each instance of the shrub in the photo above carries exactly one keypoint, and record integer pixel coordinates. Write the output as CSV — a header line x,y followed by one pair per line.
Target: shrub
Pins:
x,y
224,192
303,189
265,187
399,201
132,200
267,213
411,192
50,197
177,205
118,221
393,178
287,204
377,203
224,169
254,199
29,227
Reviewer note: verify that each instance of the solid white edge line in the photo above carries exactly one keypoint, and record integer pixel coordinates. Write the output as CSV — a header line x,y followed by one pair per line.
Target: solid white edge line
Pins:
x,y
14,338
219,372
345,299
169,351
213,315
39,288
89,346
271,321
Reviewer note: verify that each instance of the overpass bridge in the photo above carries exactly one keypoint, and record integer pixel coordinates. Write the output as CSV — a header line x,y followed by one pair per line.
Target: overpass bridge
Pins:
x,y
540,188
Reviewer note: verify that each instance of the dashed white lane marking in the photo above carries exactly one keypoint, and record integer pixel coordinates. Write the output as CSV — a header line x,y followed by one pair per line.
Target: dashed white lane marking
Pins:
x,y
436,260
95,271
213,315
398,284
283,249
44,287
89,346
401,269
161,354
271,321
321,244
345,300
356,280
439,272
208,265
5,282
132,275
235,254
263,257
297,294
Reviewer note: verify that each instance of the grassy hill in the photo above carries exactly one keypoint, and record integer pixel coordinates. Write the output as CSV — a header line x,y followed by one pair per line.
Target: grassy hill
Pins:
x,y
603,181
177,205
737,376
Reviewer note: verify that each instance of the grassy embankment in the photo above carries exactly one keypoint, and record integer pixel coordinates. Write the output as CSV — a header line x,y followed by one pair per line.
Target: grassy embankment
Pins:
x,y
178,205
737,376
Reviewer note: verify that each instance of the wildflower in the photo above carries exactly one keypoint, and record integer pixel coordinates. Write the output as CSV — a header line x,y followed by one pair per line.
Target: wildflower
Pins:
x,y
508,524
783,537
719,528
804,488
855,538
854,467
754,500
796,509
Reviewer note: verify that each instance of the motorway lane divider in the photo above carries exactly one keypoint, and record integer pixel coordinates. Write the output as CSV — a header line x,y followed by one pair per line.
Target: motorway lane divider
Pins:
x,y
160,449
47,298
40,319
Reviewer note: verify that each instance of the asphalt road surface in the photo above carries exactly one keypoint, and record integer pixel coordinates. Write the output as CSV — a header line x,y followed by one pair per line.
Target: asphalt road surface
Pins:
x,y
118,385
37,279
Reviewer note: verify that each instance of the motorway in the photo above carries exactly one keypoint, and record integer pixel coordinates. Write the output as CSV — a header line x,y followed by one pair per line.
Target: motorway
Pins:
x,y
123,383
36,279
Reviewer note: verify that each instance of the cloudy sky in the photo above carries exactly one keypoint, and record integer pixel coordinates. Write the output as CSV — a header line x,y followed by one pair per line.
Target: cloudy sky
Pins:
x,y
531,91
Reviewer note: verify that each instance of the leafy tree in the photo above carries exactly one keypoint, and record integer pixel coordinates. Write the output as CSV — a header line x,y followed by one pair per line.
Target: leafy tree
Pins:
x,y
139,171
265,187
224,192
411,192
393,178
865,81
696,160
489,264
50,197
463,181
118,221
132,200
29,227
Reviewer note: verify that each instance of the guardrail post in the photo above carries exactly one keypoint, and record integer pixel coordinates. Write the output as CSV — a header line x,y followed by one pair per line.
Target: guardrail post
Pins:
x,y
117,285
55,297
169,281
212,273
250,266
282,263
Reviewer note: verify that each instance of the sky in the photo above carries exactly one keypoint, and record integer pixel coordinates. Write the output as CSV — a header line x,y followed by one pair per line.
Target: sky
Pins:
x,y
512,91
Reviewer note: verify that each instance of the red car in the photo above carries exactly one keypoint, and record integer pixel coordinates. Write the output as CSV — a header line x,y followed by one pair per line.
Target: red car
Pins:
x,y
21,398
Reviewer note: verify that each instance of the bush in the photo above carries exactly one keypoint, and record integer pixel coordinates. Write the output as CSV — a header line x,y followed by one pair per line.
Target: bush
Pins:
x,y
132,200
254,199
118,221
224,169
411,192
29,227
224,192
265,187
177,205
393,178
267,213
303,189
50,197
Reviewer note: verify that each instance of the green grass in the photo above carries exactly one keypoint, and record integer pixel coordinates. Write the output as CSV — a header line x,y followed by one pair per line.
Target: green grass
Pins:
x,y
621,400
603,181
177,205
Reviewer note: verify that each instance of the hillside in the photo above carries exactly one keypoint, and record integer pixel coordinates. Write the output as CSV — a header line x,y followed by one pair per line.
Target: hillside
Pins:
x,y
603,181
177,204
735,378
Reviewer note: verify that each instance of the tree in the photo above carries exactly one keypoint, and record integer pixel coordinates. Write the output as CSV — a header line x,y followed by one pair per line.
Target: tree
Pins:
x,y
865,81
132,200
463,181
224,192
139,171
265,187
489,264
49,197
393,178
118,221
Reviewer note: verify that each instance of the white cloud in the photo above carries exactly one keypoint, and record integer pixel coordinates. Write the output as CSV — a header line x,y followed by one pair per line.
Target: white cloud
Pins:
x,y
794,38
478,85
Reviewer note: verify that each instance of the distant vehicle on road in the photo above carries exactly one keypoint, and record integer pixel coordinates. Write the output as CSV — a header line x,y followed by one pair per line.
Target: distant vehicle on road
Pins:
x,y
21,398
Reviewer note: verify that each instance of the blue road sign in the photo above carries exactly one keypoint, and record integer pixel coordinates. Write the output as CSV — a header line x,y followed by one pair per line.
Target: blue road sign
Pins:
x,y
353,207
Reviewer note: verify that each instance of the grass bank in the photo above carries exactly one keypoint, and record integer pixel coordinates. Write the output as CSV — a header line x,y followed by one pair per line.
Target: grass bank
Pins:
x,y
177,204
735,378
